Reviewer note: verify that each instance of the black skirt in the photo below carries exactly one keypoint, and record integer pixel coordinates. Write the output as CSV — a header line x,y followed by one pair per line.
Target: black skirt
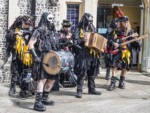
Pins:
x,y
86,62
119,63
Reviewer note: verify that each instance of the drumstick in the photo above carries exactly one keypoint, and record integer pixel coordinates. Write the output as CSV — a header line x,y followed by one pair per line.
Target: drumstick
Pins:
x,y
46,64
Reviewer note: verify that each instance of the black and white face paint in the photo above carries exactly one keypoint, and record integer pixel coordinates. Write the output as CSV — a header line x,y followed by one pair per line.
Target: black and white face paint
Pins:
x,y
50,22
50,18
90,19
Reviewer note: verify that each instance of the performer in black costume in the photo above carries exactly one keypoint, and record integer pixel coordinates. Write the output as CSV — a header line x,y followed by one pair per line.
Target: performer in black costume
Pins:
x,y
110,46
65,44
22,27
86,60
42,41
123,58
65,35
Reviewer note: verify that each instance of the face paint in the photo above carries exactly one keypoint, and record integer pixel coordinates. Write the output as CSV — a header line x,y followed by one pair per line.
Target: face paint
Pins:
x,y
50,18
90,19
50,24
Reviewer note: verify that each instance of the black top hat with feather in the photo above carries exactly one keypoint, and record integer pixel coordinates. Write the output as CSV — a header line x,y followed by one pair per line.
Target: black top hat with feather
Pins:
x,y
66,23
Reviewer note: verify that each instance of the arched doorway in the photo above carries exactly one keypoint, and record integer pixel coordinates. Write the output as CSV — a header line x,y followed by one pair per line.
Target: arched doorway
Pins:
x,y
134,9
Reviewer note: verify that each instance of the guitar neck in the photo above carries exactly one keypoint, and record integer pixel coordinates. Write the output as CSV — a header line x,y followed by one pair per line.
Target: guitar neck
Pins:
x,y
133,40
133,35
126,38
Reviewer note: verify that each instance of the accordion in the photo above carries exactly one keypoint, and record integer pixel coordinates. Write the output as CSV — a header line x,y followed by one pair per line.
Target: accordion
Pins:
x,y
95,41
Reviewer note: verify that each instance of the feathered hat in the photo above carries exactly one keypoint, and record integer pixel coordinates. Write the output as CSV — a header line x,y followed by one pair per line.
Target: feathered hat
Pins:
x,y
119,14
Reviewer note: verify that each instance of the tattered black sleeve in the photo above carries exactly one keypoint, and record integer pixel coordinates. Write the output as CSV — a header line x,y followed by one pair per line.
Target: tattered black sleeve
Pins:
x,y
35,35
10,40
76,38
134,45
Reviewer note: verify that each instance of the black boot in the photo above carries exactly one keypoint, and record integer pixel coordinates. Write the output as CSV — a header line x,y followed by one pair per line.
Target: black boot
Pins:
x,y
39,106
91,86
94,92
113,84
107,77
79,95
121,82
12,90
45,100
80,82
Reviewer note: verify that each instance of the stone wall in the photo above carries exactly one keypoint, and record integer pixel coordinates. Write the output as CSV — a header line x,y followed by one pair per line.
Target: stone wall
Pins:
x,y
25,7
3,25
4,74
45,6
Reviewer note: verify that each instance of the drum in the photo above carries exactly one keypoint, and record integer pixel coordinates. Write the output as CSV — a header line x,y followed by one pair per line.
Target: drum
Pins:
x,y
56,62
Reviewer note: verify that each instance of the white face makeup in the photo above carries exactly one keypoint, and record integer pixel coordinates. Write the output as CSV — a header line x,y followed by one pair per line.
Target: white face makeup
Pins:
x,y
90,18
50,18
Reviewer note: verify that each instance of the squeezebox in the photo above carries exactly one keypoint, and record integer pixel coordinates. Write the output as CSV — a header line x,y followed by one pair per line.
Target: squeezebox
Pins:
x,y
95,41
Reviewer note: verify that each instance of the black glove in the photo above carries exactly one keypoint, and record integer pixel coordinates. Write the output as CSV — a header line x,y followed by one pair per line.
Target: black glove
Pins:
x,y
35,57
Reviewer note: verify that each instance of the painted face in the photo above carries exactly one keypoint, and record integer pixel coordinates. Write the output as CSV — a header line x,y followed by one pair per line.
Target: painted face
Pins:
x,y
50,18
28,23
25,26
91,19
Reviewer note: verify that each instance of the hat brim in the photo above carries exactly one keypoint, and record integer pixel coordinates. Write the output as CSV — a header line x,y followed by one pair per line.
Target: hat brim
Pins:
x,y
122,19
66,25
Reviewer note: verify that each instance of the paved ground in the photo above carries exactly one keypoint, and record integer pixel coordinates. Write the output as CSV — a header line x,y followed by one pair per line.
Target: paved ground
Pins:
x,y
134,99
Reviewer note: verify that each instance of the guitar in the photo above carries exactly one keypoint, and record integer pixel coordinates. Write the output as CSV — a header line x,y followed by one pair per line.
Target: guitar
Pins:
x,y
121,40
127,42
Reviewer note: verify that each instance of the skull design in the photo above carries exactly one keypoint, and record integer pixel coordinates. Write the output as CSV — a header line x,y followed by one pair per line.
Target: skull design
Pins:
x,y
50,18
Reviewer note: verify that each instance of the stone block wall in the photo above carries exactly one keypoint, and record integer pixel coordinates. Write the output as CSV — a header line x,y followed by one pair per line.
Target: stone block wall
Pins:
x,y
25,7
45,6
4,73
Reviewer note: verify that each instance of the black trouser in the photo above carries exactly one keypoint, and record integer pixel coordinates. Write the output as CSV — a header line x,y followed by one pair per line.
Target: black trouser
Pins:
x,y
108,60
91,81
16,69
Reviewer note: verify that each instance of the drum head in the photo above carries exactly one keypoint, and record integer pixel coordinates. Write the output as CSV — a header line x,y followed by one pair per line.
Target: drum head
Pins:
x,y
54,63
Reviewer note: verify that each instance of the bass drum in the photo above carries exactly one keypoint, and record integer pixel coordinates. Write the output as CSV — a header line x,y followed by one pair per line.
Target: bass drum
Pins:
x,y
55,62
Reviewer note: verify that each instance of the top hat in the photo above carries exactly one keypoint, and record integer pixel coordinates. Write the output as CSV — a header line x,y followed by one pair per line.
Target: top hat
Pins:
x,y
122,19
66,23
